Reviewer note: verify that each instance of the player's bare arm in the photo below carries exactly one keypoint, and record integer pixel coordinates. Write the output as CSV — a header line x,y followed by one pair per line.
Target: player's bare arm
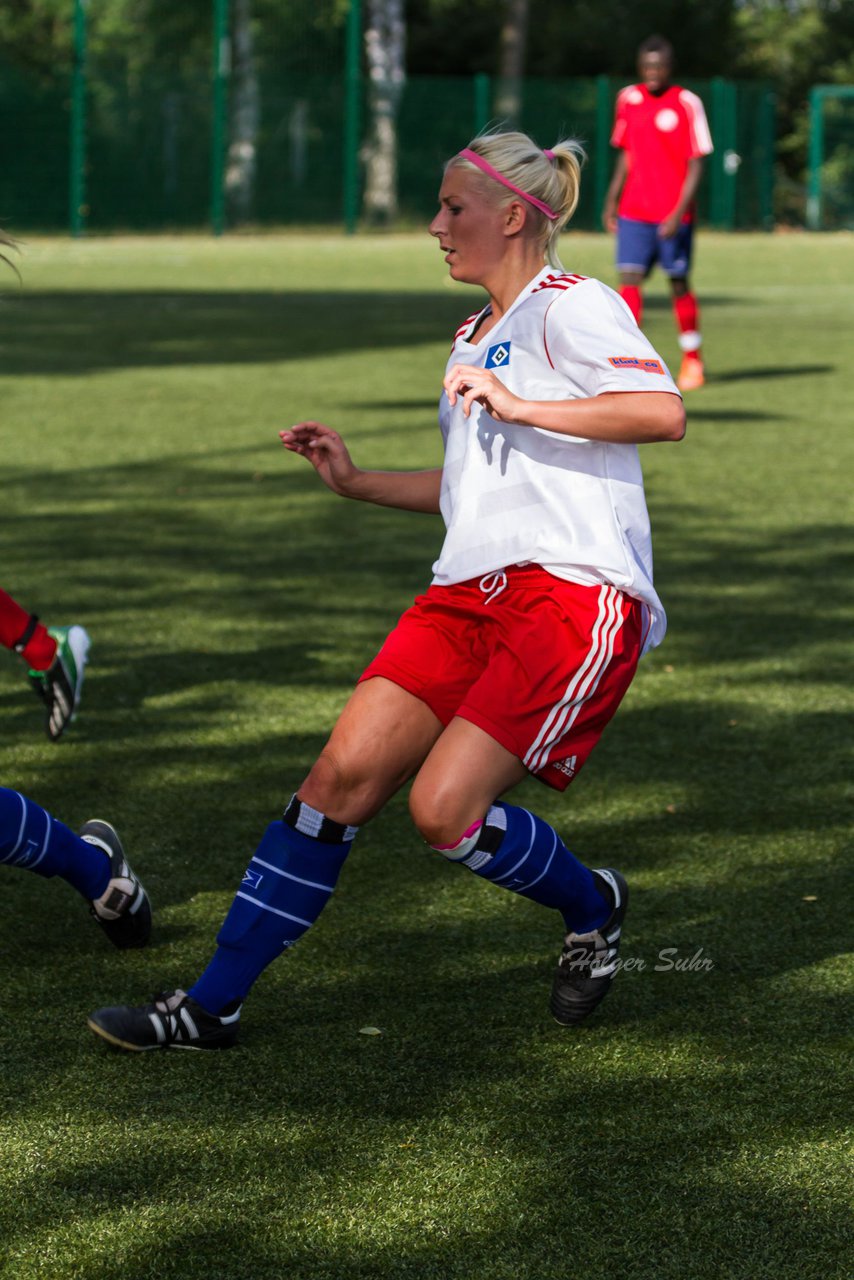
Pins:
x,y
330,457
621,417
671,223
612,195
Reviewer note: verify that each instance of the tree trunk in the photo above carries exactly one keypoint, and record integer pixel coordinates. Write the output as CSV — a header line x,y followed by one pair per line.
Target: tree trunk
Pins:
x,y
245,113
385,43
514,44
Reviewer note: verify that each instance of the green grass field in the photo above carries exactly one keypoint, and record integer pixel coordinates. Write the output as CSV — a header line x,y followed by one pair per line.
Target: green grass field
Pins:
x,y
698,1127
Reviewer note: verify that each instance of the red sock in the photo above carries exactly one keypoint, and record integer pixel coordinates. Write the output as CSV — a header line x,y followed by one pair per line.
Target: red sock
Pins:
x,y
14,621
687,314
631,294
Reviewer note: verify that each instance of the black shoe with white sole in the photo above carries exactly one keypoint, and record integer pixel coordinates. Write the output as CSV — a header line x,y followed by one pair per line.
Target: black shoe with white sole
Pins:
x,y
588,961
173,1021
123,910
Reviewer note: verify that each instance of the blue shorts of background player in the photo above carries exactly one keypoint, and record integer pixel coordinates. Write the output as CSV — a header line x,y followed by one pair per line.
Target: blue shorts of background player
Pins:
x,y
639,247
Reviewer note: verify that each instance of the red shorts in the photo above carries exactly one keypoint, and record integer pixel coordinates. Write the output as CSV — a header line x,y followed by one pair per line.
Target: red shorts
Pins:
x,y
539,664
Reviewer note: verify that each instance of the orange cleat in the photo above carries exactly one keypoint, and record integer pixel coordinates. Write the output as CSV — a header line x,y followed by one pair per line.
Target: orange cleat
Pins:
x,y
692,374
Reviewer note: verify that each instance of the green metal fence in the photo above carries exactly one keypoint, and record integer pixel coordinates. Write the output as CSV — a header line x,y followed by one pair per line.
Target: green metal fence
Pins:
x,y
438,115
112,152
830,205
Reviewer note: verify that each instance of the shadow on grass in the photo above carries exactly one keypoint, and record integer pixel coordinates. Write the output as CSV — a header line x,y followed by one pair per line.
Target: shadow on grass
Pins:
x,y
471,1139
685,1081
700,414
753,374
526,1230
312,586
737,593
692,1082
80,332
201,531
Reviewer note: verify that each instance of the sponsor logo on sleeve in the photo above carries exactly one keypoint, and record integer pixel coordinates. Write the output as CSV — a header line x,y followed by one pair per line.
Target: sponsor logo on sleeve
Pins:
x,y
498,356
636,362
252,878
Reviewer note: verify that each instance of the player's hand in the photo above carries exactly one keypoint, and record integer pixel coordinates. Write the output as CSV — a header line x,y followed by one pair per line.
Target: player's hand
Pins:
x,y
609,218
668,228
326,452
481,386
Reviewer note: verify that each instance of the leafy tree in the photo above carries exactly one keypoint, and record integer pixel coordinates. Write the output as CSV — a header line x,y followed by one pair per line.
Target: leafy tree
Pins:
x,y
795,44
143,50
582,38
35,36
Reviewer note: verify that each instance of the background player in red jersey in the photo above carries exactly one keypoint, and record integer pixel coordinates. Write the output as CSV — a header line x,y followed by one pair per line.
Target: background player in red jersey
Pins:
x,y
662,136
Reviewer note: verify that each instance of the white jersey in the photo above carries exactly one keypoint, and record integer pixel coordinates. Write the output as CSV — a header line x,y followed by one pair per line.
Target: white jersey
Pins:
x,y
513,494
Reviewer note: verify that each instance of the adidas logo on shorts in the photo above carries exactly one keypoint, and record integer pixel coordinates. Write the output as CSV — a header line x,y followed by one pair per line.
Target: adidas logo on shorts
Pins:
x,y
566,766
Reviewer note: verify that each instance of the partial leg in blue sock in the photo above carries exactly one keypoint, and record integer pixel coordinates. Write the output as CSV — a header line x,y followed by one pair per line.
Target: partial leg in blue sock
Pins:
x,y
34,841
284,889
519,851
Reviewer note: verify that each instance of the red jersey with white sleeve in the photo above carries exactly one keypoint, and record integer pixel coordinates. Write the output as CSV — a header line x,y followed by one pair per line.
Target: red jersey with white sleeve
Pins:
x,y
659,133
518,495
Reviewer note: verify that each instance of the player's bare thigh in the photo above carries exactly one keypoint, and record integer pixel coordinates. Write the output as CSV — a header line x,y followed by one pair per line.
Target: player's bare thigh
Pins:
x,y
380,739
465,772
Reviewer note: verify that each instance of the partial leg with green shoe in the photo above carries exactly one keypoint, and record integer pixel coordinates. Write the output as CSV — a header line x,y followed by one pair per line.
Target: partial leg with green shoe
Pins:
x,y
56,657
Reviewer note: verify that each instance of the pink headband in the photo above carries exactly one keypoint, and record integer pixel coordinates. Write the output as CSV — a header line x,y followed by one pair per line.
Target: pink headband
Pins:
x,y
486,167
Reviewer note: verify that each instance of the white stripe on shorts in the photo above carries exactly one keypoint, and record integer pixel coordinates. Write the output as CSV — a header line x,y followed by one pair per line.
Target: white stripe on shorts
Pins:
x,y
584,682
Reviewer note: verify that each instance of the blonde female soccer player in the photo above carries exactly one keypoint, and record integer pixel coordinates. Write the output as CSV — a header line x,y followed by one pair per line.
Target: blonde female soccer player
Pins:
x,y
541,603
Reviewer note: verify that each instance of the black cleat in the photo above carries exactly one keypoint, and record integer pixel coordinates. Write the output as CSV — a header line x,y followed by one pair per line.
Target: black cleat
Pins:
x,y
173,1021
123,910
587,963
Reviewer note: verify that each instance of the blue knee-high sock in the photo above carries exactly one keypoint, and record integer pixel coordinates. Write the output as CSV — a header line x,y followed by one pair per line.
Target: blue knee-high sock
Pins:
x,y
286,886
32,839
520,852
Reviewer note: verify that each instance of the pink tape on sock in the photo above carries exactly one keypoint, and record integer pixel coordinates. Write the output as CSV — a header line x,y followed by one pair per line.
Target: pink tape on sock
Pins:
x,y
467,835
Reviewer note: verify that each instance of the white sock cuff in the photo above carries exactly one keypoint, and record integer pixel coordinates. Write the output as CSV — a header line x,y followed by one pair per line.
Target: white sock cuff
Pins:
x,y
690,340
311,822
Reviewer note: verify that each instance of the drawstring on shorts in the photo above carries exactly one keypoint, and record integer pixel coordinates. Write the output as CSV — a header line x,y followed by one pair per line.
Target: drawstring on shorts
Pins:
x,y
492,584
